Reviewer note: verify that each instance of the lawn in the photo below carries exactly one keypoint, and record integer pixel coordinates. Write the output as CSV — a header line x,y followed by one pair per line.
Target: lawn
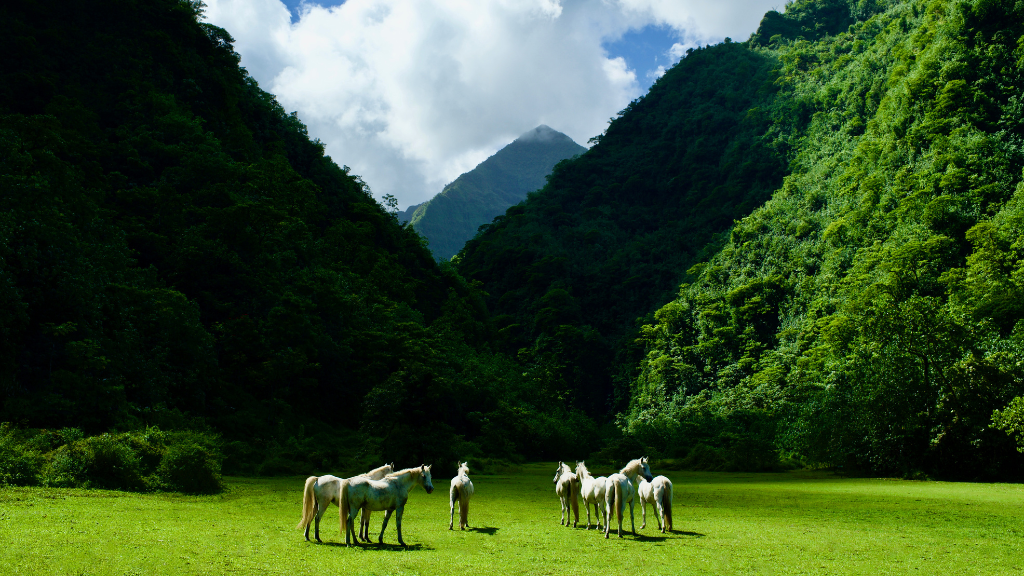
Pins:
x,y
792,523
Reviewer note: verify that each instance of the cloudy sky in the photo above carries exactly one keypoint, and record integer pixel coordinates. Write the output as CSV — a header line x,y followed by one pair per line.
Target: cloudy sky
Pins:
x,y
412,93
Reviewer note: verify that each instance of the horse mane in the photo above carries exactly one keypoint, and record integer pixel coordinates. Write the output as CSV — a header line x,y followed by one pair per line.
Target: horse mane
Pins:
x,y
377,469
581,470
631,466
404,472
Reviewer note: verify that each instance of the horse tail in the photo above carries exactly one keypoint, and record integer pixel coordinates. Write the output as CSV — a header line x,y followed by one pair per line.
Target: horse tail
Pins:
x,y
618,501
308,503
666,503
574,499
463,508
343,506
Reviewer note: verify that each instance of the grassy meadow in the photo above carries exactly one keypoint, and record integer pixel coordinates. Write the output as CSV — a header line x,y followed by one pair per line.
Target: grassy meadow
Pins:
x,y
790,523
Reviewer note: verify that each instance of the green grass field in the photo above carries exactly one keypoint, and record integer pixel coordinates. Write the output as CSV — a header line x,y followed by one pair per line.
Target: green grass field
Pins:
x,y
792,523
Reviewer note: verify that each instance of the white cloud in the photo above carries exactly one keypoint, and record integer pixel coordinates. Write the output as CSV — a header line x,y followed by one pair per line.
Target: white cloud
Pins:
x,y
411,93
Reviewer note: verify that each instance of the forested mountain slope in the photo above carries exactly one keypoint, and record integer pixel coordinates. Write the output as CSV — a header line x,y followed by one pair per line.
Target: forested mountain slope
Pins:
x,y
867,316
452,217
175,251
611,235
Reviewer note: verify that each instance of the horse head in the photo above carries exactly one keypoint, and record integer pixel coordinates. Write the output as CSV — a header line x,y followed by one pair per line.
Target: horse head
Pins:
x,y
428,485
581,470
645,470
558,472
464,469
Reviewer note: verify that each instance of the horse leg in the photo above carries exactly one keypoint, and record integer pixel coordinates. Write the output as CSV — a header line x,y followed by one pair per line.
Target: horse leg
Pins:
x,y
451,505
387,516
631,522
350,527
398,524
643,513
660,514
316,519
464,514
621,506
310,522
367,513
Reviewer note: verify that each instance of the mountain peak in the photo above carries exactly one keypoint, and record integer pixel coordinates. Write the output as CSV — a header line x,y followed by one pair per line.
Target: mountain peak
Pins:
x,y
542,133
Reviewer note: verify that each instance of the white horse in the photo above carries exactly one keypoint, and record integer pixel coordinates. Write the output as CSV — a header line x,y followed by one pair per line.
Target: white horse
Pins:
x,y
567,488
389,494
592,491
364,519
461,491
620,490
658,493
320,491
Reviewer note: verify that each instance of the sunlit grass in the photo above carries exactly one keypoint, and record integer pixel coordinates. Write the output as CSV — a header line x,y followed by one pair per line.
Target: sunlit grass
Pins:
x,y
794,523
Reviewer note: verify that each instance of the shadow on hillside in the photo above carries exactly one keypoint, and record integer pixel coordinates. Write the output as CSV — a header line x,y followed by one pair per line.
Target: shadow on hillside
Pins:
x,y
490,530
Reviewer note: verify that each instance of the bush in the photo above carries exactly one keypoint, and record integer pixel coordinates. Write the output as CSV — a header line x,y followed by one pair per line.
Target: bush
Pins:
x,y
114,465
191,468
18,466
68,466
104,461
136,461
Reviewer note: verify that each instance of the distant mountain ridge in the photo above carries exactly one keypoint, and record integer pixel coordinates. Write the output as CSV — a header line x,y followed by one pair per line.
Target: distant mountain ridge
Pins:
x,y
452,217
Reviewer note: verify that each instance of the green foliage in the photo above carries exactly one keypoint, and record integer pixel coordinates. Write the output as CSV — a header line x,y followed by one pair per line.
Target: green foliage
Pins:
x,y
19,464
1011,420
190,467
176,252
870,311
609,238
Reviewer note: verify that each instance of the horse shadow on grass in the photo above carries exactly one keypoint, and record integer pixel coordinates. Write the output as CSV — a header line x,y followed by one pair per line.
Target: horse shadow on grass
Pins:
x,y
489,530
385,547
662,538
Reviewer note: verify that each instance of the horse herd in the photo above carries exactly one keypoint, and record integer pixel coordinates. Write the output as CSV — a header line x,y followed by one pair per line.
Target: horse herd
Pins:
x,y
383,489
611,494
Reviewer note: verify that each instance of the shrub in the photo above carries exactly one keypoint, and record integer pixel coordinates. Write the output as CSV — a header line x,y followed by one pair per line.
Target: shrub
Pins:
x,y
19,466
114,465
104,461
45,441
191,468
68,466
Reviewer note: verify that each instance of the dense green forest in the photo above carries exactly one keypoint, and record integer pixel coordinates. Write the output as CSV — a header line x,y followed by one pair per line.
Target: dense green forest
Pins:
x,y
867,317
802,248
452,217
610,236
175,252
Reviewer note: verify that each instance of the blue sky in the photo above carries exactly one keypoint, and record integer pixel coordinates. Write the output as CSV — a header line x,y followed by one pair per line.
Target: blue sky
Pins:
x,y
644,51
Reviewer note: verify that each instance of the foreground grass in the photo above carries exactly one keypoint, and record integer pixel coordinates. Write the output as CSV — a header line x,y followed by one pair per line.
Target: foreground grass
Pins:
x,y
794,523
